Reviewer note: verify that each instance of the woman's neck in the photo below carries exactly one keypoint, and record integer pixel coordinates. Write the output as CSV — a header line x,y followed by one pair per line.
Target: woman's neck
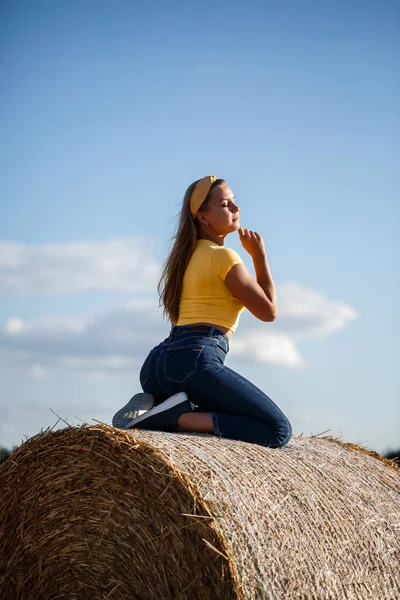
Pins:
x,y
217,240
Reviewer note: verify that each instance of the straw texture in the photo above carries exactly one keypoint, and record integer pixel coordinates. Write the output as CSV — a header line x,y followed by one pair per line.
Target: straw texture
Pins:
x,y
95,512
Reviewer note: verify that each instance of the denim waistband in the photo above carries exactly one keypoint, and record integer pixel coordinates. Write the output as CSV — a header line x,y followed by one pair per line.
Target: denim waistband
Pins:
x,y
206,330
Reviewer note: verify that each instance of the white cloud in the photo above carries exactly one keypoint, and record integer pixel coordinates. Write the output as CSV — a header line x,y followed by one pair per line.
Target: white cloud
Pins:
x,y
109,343
115,265
307,314
259,347
13,326
105,342
303,314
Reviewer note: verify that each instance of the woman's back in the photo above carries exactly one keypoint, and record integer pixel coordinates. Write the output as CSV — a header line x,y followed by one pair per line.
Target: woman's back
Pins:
x,y
205,297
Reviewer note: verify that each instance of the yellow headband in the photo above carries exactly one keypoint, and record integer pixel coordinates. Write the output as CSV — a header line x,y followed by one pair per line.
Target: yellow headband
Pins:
x,y
200,193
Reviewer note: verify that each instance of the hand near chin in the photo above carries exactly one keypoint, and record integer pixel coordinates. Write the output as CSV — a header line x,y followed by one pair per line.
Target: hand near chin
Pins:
x,y
252,242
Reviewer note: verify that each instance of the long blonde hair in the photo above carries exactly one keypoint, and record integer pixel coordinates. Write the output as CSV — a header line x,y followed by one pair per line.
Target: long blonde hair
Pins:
x,y
170,285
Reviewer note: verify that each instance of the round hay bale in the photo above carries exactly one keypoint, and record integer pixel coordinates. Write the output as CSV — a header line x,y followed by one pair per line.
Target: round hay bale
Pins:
x,y
95,512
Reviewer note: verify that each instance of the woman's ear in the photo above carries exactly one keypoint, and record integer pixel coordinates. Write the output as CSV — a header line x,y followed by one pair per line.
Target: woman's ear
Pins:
x,y
202,219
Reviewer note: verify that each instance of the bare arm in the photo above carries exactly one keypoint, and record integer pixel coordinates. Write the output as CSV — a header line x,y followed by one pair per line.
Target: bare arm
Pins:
x,y
258,296
264,278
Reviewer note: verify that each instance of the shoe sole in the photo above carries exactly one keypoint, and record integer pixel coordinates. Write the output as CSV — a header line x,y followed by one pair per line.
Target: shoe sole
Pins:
x,y
166,405
139,402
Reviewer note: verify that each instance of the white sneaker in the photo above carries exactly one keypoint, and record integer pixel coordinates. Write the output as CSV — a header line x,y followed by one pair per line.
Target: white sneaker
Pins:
x,y
137,405
165,415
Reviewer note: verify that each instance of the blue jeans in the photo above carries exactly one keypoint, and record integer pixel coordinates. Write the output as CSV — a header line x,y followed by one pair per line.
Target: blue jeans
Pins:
x,y
192,360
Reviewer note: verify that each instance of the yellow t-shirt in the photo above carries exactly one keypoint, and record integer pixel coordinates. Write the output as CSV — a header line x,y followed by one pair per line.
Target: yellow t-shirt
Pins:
x,y
205,297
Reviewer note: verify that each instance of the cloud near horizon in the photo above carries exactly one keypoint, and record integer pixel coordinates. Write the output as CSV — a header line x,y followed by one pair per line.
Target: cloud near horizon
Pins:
x,y
73,267
106,343
110,342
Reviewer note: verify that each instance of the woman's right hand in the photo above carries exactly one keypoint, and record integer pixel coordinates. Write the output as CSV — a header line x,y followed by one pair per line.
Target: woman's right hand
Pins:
x,y
252,242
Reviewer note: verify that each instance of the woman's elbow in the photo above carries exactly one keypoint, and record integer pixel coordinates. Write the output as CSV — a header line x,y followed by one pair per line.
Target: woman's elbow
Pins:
x,y
265,313
271,315
270,318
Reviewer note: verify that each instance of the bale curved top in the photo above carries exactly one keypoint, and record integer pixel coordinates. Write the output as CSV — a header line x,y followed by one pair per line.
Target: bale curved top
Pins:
x,y
96,512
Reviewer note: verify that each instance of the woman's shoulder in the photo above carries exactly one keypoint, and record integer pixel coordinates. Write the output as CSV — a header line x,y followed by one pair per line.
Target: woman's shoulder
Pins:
x,y
224,259
226,251
219,253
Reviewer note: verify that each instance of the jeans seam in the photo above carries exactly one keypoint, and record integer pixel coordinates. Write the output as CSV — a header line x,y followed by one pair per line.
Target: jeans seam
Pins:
x,y
215,355
287,438
214,417
156,370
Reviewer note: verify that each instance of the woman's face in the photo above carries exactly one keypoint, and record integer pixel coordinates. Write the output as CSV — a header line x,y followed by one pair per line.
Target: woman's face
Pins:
x,y
223,213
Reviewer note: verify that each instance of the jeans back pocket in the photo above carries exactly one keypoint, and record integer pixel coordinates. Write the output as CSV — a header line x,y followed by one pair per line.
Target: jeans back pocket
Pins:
x,y
180,362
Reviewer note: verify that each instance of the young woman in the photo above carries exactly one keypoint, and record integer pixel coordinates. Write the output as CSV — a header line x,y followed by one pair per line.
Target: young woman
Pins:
x,y
204,287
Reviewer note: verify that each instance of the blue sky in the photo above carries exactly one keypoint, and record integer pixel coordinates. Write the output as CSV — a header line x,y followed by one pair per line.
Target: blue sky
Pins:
x,y
110,110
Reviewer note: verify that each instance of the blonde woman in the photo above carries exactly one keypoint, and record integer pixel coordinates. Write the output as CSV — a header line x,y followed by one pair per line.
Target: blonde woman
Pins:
x,y
203,288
